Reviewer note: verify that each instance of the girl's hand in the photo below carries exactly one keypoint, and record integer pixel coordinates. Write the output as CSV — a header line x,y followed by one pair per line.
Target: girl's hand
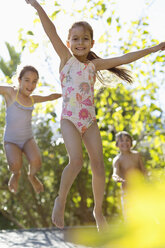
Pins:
x,y
32,2
162,44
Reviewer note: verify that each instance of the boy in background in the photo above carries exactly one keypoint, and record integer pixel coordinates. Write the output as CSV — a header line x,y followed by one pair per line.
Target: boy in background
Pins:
x,y
125,162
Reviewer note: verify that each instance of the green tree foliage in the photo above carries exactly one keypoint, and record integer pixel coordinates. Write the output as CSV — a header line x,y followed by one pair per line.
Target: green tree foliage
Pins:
x,y
133,108
8,67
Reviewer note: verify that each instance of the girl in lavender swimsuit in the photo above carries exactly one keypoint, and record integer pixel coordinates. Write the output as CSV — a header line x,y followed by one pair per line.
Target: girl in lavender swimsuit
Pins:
x,y
18,136
78,70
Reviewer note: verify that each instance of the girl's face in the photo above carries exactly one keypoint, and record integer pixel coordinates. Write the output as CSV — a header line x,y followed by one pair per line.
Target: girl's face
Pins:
x,y
28,82
124,143
80,42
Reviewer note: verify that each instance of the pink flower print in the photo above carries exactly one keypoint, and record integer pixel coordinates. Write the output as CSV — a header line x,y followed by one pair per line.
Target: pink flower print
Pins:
x,y
79,124
79,73
64,112
87,102
69,113
83,114
69,89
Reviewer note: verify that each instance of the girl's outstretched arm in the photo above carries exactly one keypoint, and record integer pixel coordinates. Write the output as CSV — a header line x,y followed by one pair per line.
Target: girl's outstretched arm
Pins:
x,y
8,93
62,50
50,97
6,90
103,64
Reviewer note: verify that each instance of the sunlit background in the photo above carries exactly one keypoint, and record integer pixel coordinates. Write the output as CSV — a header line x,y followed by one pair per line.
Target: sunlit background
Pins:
x,y
16,15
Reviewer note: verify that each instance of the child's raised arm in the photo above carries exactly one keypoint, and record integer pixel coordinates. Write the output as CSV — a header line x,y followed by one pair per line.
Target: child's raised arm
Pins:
x,y
62,50
8,93
5,90
103,64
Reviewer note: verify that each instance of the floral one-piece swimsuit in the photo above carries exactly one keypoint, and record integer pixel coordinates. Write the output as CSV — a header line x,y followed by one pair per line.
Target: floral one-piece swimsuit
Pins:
x,y
77,82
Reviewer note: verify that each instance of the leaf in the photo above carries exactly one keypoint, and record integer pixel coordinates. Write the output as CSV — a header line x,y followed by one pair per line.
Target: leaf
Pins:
x,y
30,33
109,20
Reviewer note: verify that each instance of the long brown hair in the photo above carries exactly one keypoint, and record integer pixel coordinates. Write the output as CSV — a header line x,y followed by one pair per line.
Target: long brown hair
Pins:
x,y
120,72
27,68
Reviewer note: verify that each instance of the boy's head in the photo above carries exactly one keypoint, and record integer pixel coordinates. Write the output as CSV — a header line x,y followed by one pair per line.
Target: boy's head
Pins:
x,y
121,135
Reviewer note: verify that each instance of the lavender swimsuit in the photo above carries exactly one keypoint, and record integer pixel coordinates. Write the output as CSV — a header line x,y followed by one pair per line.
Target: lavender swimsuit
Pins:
x,y
18,129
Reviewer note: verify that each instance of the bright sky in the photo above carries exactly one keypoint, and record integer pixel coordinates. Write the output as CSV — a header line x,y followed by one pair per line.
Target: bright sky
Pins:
x,y
16,14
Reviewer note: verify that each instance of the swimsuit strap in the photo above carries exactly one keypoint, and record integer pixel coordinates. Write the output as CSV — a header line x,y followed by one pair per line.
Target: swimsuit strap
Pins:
x,y
21,103
16,98
32,100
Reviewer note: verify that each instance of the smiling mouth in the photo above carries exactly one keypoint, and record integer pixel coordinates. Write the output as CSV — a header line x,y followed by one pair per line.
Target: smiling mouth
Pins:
x,y
80,48
29,90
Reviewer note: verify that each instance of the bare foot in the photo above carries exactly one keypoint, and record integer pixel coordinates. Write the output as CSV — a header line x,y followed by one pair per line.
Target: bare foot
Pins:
x,y
13,182
36,183
58,213
101,222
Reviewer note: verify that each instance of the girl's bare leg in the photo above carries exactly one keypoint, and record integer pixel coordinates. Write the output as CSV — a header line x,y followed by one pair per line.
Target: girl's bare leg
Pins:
x,y
14,158
32,153
93,143
73,143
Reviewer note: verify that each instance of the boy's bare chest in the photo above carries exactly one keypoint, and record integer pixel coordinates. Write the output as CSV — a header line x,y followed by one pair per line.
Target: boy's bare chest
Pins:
x,y
128,163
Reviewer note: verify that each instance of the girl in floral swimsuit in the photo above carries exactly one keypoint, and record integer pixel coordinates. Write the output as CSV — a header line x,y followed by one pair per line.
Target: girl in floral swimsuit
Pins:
x,y
77,80
78,71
